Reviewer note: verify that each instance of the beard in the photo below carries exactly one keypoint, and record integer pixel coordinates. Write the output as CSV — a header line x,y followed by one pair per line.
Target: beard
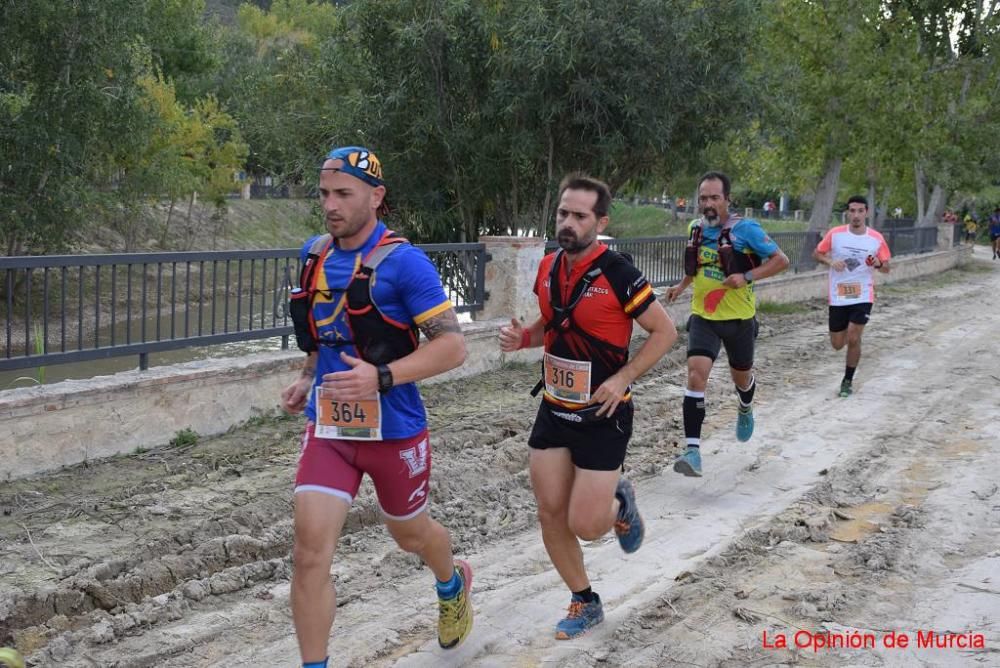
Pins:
x,y
571,243
343,226
711,216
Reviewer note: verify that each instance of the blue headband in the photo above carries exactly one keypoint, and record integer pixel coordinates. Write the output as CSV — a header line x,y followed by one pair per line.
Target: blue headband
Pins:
x,y
360,163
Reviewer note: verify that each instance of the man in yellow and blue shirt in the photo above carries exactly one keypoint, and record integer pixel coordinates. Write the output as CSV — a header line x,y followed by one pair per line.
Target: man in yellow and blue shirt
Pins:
x,y
723,307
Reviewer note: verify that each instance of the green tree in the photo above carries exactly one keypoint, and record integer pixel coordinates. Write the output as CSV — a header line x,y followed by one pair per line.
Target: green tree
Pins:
x,y
957,45
72,107
478,108
66,70
183,151
271,80
822,90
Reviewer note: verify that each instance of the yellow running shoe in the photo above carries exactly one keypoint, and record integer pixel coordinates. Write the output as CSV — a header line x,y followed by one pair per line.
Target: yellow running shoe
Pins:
x,y
455,614
11,658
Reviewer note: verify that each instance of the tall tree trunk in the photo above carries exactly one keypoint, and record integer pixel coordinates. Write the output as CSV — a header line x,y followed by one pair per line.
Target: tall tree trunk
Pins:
x,y
549,168
882,208
165,230
515,205
826,195
935,207
872,207
921,185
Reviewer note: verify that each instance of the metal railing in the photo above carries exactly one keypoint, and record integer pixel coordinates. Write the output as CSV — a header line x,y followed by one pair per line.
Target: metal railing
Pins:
x,y
798,246
661,259
656,257
75,308
907,240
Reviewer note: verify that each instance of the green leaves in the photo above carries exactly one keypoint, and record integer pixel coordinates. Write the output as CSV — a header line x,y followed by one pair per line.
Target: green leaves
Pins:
x,y
479,108
75,123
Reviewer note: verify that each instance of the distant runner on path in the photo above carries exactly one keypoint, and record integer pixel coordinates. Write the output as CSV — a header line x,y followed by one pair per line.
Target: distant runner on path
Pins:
x,y
725,255
995,232
853,252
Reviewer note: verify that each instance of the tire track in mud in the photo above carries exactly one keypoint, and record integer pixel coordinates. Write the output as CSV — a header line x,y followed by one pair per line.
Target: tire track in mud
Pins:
x,y
201,536
220,522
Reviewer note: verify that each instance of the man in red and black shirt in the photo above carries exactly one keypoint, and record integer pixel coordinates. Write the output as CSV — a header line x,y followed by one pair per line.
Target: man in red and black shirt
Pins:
x,y
588,296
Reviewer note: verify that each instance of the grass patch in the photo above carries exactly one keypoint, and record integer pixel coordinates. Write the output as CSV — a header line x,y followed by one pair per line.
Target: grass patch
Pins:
x,y
184,437
629,221
780,308
265,418
973,268
272,223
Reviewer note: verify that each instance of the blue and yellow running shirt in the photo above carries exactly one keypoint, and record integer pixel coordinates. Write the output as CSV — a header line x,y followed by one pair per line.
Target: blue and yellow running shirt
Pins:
x,y
712,300
406,287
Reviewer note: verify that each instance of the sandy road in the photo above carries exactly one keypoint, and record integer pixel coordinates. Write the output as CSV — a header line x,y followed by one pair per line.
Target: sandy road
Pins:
x,y
877,513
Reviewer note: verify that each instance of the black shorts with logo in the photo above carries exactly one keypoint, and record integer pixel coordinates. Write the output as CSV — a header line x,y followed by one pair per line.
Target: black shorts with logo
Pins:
x,y
595,443
856,313
706,337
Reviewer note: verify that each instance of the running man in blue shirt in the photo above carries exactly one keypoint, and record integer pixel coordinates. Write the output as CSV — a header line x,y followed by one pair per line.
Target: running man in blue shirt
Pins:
x,y
995,232
364,295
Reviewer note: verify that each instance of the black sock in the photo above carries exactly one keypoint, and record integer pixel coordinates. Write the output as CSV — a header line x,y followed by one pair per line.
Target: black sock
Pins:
x,y
587,595
694,416
849,373
746,396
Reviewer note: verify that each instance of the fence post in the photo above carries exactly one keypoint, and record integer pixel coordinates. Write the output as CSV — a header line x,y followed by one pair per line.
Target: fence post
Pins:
x,y
510,277
945,233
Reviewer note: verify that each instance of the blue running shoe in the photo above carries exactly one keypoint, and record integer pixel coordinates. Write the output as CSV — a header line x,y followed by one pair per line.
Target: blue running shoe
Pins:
x,y
744,423
689,463
628,526
581,618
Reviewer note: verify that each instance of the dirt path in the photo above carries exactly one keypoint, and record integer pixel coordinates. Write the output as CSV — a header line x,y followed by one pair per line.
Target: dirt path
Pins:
x,y
878,513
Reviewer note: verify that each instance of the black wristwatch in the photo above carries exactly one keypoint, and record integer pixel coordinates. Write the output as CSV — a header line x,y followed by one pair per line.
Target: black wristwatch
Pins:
x,y
384,378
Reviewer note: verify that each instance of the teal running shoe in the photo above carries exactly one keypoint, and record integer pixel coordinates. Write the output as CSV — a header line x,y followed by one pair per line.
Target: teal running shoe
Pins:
x,y
744,423
628,526
845,388
581,618
689,463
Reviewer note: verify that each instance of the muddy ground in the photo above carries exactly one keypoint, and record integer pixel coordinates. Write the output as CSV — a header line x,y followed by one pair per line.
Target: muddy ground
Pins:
x,y
877,514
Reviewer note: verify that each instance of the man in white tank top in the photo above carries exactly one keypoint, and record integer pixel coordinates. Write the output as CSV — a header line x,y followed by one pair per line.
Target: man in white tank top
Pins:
x,y
853,252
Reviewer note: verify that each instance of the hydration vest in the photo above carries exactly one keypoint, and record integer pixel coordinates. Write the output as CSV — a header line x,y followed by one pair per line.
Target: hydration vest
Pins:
x,y
562,315
378,338
731,260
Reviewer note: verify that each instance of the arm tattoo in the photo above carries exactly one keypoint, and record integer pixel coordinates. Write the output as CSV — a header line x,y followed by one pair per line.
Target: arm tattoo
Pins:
x,y
441,324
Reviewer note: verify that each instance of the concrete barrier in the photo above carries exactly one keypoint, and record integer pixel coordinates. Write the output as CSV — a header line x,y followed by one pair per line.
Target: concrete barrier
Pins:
x,y
48,427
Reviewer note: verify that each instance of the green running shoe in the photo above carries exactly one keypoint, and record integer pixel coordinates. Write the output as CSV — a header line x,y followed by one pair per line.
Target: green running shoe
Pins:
x,y
455,614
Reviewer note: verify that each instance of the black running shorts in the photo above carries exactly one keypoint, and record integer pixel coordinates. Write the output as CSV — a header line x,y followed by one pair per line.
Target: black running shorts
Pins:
x,y
856,313
706,337
595,443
